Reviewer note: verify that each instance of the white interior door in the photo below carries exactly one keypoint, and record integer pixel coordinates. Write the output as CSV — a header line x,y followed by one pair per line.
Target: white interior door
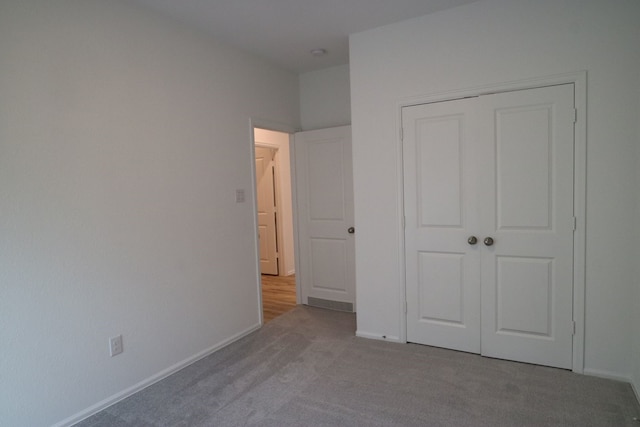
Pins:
x,y
267,230
324,193
527,209
496,167
442,269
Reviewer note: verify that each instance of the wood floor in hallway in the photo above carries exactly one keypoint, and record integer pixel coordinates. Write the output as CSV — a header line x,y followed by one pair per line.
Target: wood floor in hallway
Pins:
x,y
278,295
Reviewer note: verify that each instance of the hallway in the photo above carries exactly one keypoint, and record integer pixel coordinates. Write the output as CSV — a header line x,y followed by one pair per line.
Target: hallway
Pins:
x,y
278,295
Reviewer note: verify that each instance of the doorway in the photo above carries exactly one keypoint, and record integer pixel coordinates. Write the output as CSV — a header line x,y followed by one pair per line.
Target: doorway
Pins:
x,y
275,222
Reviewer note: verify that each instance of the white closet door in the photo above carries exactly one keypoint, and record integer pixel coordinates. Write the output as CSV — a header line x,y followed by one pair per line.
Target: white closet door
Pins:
x,y
527,275
499,168
443,284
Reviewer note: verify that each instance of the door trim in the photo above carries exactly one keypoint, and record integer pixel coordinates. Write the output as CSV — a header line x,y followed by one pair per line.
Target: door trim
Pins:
x,y
579,79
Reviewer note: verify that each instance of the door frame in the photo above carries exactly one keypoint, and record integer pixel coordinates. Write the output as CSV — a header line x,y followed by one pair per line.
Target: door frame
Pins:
x,y
290,130
579,79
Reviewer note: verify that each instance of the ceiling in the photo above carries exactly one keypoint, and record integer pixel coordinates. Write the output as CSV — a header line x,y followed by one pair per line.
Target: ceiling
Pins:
x,y
285,31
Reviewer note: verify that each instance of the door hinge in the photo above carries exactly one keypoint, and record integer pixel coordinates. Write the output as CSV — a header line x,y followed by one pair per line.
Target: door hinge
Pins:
x,y
575,115
401,134
575,223
405,307
404,222
573,327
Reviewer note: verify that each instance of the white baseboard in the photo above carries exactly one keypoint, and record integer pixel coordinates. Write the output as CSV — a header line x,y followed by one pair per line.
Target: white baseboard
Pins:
x,y
636,390
94,409
608,375
379,337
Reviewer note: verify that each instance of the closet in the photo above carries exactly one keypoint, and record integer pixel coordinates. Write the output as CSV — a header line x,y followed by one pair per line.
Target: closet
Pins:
x,y
489,223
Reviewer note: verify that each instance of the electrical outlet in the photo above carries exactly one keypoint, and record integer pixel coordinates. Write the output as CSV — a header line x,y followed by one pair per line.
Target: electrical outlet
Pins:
x,y
115,345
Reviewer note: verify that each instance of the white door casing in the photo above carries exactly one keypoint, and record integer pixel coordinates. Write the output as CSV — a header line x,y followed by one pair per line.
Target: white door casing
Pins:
x,y
498,166
324,196
266,195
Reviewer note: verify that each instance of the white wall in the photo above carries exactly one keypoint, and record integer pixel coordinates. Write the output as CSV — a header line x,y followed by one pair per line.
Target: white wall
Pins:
x,y
325,98
123,138
491,42
280,141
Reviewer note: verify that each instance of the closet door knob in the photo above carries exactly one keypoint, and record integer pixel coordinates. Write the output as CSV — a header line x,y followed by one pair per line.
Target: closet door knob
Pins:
x,y
472,240
488,241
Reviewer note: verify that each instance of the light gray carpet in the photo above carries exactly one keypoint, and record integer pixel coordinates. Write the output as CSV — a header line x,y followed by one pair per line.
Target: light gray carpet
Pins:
x,y
306,368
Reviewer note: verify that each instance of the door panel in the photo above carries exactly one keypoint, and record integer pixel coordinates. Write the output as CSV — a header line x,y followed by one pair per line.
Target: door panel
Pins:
x,y
498,166
441,274
524,290
325,171
324,190
266,211
440,177
329,270
524,167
